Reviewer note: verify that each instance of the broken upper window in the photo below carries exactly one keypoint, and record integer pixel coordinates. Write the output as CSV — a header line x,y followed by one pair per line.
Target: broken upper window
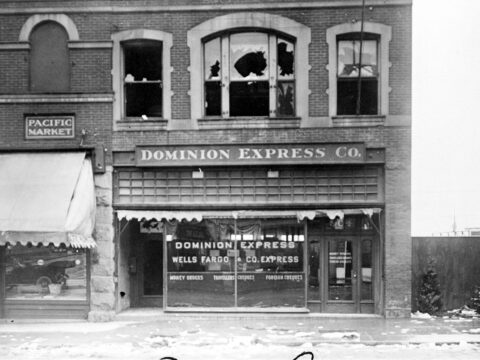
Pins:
x,y
249,74
143,78
49,58
357,76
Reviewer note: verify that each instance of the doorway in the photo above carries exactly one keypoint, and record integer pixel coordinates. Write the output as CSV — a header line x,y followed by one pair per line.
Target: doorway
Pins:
x,y
342,272
146,270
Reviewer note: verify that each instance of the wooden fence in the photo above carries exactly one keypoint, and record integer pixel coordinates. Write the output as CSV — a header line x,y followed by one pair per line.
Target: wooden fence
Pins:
x,y
457,263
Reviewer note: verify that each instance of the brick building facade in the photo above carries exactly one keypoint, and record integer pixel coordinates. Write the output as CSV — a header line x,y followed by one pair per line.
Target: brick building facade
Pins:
x,y
219,126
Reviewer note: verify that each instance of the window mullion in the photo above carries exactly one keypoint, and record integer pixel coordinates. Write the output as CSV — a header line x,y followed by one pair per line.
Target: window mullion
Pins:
x,y
272,69
225,48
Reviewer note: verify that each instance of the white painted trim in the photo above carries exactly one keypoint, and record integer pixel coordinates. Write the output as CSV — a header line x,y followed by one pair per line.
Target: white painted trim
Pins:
x,y
385,33
36,19
117,71
265,21
322,4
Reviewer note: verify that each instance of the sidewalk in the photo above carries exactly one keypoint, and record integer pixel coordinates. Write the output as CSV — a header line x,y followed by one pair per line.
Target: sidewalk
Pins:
x,y
280,329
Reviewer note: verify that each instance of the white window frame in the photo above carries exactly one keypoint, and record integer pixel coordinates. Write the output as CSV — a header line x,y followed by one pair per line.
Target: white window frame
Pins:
x,y
263,22
118,70
384,33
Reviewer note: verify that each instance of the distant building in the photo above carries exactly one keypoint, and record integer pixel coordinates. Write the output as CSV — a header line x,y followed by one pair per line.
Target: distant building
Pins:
x,y
203,155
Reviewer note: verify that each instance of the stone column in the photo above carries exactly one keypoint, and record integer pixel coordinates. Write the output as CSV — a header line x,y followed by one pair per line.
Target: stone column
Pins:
x,y
102,274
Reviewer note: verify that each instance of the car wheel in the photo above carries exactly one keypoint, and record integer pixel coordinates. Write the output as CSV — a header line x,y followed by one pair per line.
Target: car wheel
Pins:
x,y
44,281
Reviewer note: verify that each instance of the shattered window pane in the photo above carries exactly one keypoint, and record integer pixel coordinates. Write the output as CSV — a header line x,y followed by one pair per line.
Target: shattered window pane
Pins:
x,y
285,59
349,58
249,56
285,97
212,59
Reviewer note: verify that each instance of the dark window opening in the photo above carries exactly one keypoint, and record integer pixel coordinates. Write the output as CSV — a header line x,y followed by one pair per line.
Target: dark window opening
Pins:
x,y
249,98
348,94
213,98
143,78
49,59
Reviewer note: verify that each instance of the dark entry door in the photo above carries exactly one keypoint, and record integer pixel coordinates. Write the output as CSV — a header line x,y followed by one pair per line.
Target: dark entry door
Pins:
x,y
150,271
341,274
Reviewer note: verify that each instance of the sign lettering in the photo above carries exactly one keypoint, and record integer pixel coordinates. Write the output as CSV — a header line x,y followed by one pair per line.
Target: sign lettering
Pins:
x,y
249,154
49,127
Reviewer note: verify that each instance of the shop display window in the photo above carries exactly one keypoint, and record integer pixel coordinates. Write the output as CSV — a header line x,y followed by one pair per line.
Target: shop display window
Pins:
x,y
235,263
45,273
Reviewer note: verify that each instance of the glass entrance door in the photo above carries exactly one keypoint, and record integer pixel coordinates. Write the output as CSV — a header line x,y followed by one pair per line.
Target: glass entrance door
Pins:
x,y
341,274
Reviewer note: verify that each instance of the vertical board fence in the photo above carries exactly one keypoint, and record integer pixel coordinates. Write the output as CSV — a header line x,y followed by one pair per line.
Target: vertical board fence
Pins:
x,y
457,263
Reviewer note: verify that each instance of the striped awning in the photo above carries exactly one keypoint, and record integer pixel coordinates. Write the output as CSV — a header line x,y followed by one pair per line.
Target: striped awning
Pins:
x,y
199,215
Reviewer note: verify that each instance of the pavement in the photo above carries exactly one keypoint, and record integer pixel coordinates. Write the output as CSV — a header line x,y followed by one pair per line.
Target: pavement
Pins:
x,y
278,329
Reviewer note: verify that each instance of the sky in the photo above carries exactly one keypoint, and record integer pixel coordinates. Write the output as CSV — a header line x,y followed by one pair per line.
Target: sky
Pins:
x,y
446,120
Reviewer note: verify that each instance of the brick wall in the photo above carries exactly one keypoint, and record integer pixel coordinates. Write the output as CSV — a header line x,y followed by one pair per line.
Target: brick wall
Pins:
x,y
91,74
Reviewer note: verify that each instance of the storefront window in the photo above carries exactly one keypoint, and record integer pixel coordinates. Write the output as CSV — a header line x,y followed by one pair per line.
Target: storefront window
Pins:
x,y
243,263
45,273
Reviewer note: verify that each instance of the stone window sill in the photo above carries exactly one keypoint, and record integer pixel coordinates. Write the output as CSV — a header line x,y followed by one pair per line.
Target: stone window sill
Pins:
x,y
135,124
358,120
248,122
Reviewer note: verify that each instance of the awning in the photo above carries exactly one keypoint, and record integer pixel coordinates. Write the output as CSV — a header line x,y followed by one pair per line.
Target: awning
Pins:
x,y
47,198
199,215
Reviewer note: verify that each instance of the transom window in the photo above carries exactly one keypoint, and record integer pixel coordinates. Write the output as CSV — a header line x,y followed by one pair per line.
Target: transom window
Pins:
x,y
249,74
357,76
142,80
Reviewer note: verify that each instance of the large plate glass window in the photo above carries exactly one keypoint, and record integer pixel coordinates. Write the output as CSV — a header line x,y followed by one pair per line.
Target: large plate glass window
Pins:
x,y
45,273
236,263
143,78
350,77
249,74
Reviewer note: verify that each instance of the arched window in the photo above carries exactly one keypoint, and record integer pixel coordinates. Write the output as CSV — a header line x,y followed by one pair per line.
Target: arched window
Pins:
x,y
249,74
49,58
249,65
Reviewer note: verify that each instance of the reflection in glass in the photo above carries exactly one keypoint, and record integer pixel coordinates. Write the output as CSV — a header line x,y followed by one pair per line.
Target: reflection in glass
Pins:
x,y
45,273
201,259
285,98
349,58
212,59
314,269
366,273
247,263
340,270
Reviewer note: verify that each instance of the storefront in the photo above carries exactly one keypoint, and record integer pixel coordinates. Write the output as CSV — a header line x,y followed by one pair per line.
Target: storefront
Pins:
x,y
47,215
279,227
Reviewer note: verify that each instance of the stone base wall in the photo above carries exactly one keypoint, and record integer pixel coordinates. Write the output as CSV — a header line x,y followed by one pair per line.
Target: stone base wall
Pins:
x,y
102,275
